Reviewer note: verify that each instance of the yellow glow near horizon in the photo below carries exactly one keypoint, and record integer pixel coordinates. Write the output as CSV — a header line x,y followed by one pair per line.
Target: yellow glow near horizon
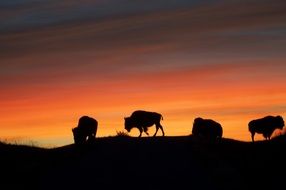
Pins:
x,y
52,127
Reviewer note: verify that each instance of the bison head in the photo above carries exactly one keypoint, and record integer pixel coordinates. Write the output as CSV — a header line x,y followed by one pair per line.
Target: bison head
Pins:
x,y
79,137
128,124
197,125
280,122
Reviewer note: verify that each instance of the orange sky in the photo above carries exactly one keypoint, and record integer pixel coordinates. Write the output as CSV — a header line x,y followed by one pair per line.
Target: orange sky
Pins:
x,y
183,62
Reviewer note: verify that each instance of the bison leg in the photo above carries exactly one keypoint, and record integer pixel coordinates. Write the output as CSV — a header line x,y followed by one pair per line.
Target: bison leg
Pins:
x,y
252,136
157,128
91,138
140,129
94,133
145,130
266,136
161,127
156,131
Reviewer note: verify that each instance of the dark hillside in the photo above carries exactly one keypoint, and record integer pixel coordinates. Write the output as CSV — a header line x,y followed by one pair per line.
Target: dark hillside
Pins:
x,y
146,163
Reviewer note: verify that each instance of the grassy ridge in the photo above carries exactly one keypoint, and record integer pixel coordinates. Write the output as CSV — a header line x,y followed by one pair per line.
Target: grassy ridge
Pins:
x,y
146,163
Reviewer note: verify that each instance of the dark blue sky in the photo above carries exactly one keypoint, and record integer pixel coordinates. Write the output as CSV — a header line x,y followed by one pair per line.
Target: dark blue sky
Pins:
x,y
24,14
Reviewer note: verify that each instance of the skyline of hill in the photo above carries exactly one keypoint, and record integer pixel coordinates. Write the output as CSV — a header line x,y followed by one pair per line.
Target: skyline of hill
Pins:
x,y
146,163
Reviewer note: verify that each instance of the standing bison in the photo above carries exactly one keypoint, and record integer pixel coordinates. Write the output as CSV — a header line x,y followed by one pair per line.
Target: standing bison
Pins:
x,y
86,130
265,126
142,120
207,128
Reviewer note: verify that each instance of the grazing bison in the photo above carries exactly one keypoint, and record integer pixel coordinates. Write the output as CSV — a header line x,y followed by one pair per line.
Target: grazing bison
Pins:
x,y
142,120
207,128
86,130
265,126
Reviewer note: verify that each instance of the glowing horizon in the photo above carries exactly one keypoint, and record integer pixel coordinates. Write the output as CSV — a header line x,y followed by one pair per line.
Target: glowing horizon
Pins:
x,y
184,59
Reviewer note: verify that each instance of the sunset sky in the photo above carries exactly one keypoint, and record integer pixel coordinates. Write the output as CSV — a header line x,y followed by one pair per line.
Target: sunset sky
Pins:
x,y
223,59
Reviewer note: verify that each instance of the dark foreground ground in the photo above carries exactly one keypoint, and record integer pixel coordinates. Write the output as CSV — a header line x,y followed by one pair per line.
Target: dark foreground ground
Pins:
x,y
146,163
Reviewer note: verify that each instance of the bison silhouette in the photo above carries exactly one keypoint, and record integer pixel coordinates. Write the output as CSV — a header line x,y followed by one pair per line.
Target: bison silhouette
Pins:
x,y
207,128
142,120
265,126
85,131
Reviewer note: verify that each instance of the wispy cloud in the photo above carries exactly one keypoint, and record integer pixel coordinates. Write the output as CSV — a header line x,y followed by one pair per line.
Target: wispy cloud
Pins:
x,y
221,27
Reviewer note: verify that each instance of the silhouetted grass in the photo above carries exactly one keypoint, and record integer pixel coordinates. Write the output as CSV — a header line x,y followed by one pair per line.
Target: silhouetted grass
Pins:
x,y
122,134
